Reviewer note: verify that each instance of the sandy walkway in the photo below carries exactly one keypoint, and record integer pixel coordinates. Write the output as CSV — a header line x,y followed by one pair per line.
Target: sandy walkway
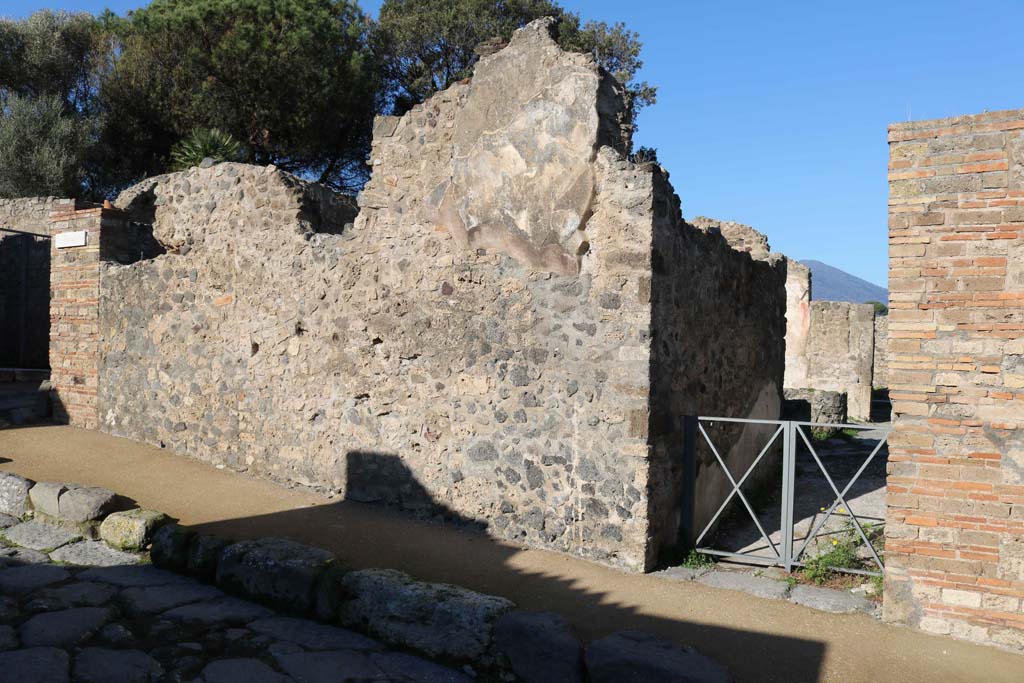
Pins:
x,y
759,640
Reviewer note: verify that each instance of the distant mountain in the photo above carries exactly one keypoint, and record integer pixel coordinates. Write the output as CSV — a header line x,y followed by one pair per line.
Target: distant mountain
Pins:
x,y
831,284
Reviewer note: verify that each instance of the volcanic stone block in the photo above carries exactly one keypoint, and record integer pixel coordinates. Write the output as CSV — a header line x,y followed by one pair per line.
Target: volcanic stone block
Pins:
x,y
37,664
39,536
204,555
64,628
637,657
282,573
540,647
100,665
435,619
93,554
171,546
14,494
45,497
87,504
132,529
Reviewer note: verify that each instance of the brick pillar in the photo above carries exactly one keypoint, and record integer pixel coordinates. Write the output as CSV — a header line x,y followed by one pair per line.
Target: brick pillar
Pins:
x,y
79,235
955,522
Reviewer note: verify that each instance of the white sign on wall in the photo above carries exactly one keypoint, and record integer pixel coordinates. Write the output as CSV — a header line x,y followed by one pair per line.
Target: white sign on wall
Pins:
x,y
77,238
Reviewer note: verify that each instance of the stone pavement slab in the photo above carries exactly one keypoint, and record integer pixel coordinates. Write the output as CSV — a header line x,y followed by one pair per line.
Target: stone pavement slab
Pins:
x,y
39,536
153,599
313,636
13,557
755,585
8,638
840,602
241,671
65,627
93,554
330,667
35,665
226,610
7,521
77,594
100,665
22,579
400,666
141,575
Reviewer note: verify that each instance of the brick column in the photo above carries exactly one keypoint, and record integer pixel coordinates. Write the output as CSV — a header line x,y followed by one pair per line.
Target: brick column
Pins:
x,y
955,523
74,307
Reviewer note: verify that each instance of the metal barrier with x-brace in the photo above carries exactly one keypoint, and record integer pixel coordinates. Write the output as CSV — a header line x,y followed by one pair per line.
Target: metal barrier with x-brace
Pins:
x,y
786,555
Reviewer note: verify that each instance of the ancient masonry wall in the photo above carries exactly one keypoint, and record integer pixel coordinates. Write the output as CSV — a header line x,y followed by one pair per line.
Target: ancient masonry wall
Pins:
x,y
955,530
840,352
74,312
480,344
880,365
798,323
24,281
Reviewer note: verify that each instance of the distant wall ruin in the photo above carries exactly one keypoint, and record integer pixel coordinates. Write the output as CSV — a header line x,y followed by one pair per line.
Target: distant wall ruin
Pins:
x,y
511,331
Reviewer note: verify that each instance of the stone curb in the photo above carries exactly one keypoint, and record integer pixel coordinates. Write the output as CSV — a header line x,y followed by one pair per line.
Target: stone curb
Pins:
x,y
815,597
483,634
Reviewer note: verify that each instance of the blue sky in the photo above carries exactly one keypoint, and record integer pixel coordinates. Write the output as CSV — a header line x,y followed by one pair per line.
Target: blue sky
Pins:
x,y
774,114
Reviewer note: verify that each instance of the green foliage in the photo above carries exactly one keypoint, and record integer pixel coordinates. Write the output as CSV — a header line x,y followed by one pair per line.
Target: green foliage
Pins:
x,y
880,308
293,80
427,45
696,560
822,433
843,554
41,147
204,143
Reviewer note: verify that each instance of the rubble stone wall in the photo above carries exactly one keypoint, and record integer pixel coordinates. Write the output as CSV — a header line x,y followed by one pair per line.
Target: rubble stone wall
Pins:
x,y
24,281
840,352
955,523
448,353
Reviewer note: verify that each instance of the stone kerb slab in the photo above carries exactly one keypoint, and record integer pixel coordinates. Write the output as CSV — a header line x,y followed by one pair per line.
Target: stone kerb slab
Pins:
x,y
14,494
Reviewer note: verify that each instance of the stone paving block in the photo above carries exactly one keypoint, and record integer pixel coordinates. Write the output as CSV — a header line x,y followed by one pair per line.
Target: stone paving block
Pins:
x,y
77,594
153,599
8,638
139,575
35,665
13,557
636,657
329,667
754,585
681,573
828,600
312,635
100,665
15,580
171,546
45,496
131,529
226,610
204,553
93,554
39,536
7,521
282,573
14,494
540,646
64,628
241,671
435,619
87,504
404,667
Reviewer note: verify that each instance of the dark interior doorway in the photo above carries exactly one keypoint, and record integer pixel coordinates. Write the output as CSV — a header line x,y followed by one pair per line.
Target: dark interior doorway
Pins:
x,y
24,299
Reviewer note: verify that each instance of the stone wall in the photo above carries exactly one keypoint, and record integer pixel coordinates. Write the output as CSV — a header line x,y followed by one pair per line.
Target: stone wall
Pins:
x,y
741,237
955,527
510,332
798,323
880,371
24,281
840,352
74,346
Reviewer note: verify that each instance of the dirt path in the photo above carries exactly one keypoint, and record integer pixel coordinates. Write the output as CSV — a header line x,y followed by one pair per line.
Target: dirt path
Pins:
x,y
759,640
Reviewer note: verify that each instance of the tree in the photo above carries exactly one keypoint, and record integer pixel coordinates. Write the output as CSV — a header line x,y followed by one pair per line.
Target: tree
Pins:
x,y
50,67
293,80
203,143
41,148
880,308
427,45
